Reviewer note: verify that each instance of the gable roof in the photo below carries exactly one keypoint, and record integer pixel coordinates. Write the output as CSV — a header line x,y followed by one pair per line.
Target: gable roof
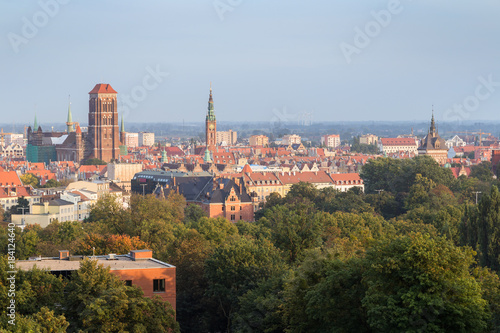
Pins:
x,y
102,88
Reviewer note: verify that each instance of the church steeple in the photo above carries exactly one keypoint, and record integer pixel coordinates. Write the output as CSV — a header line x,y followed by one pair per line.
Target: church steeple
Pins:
x,y
433,130
211,124
211,110
69,122
122,127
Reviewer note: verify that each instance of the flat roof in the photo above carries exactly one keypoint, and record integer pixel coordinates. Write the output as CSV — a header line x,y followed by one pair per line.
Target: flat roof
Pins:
x,y
120,263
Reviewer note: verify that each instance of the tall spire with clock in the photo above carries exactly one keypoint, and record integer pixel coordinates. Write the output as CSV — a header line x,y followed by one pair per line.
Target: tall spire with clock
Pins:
x,y
211,124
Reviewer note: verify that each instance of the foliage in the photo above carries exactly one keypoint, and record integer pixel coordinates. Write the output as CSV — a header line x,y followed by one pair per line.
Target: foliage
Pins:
x,y
98,301
363,148
51,183
30,179
416,283
397,175
482,171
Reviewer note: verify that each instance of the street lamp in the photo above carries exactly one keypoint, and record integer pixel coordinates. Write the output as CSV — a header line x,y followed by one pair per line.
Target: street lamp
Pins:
x,y
476,192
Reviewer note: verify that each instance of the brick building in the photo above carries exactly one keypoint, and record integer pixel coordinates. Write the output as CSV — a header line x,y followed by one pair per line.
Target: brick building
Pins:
x,y
139,268
102,140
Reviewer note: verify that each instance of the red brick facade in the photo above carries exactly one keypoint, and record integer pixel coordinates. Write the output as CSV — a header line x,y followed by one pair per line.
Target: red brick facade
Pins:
x,y
103,134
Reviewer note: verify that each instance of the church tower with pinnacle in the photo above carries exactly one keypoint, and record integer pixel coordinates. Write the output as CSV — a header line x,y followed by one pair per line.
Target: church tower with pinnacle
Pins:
x,y
69,123
103,133
211,124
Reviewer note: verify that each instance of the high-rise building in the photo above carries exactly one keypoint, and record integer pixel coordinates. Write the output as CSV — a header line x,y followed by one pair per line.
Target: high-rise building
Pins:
x,y
259,140
331,141
131,140
103,134
211,124
227,138
146,139
291,139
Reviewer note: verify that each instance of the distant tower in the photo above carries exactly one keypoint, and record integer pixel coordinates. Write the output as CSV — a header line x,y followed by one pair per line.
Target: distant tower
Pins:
x,y
211,124
79,145
433,145
70,122
103,136
35,125
122,132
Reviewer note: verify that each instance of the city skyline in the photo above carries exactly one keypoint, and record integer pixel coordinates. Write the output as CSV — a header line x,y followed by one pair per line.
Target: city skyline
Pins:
x,y
382,60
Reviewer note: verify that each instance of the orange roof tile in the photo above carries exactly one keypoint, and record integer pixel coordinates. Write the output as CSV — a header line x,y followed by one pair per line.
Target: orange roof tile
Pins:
x,y
10,178
102,88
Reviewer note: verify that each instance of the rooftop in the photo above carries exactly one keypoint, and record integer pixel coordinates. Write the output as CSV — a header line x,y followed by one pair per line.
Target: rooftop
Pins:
x,y
123,261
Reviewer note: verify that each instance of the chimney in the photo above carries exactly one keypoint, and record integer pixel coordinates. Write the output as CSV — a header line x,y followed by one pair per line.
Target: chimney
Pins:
x,y
63,254
141,254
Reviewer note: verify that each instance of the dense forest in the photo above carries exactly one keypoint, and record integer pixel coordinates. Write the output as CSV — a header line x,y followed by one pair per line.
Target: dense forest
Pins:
x,y
414,253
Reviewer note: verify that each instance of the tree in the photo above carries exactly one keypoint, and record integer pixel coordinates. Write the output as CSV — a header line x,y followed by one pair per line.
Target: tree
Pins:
x,y
417,283
357,147
294,227
324,295
22,203
234,269
398,175
30,179
482,171
488,228
98,301
51,183
109,215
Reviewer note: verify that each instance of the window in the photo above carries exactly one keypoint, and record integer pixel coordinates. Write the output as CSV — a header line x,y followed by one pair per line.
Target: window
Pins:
x,y
233,217
233,208
159,285
128,283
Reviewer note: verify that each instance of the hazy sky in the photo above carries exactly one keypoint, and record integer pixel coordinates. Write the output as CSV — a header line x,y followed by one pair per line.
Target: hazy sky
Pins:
x,y
338,60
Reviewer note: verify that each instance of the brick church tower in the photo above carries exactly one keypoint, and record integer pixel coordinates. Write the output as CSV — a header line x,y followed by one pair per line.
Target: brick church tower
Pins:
x,y
211,124
103,138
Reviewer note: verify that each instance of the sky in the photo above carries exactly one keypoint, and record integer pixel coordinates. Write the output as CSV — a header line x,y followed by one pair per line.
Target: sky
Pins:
x,y
325,60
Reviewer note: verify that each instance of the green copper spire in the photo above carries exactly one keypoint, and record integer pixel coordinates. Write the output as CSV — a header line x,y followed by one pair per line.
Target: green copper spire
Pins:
x,y
122,127
211,111
207,158
35,128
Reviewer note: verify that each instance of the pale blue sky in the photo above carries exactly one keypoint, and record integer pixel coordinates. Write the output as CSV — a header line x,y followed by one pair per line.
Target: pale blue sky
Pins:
x,y
261,56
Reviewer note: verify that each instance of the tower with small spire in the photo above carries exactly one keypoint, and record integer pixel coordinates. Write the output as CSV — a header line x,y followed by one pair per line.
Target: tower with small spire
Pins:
x,y
433,145
211,124
69,122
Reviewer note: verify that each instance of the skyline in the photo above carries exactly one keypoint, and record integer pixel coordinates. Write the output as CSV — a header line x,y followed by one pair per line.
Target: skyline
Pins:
x,y
265,60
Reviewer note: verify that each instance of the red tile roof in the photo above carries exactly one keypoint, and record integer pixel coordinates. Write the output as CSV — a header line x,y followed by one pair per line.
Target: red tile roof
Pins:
x,y
10,178
102,88
398,142
345,177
